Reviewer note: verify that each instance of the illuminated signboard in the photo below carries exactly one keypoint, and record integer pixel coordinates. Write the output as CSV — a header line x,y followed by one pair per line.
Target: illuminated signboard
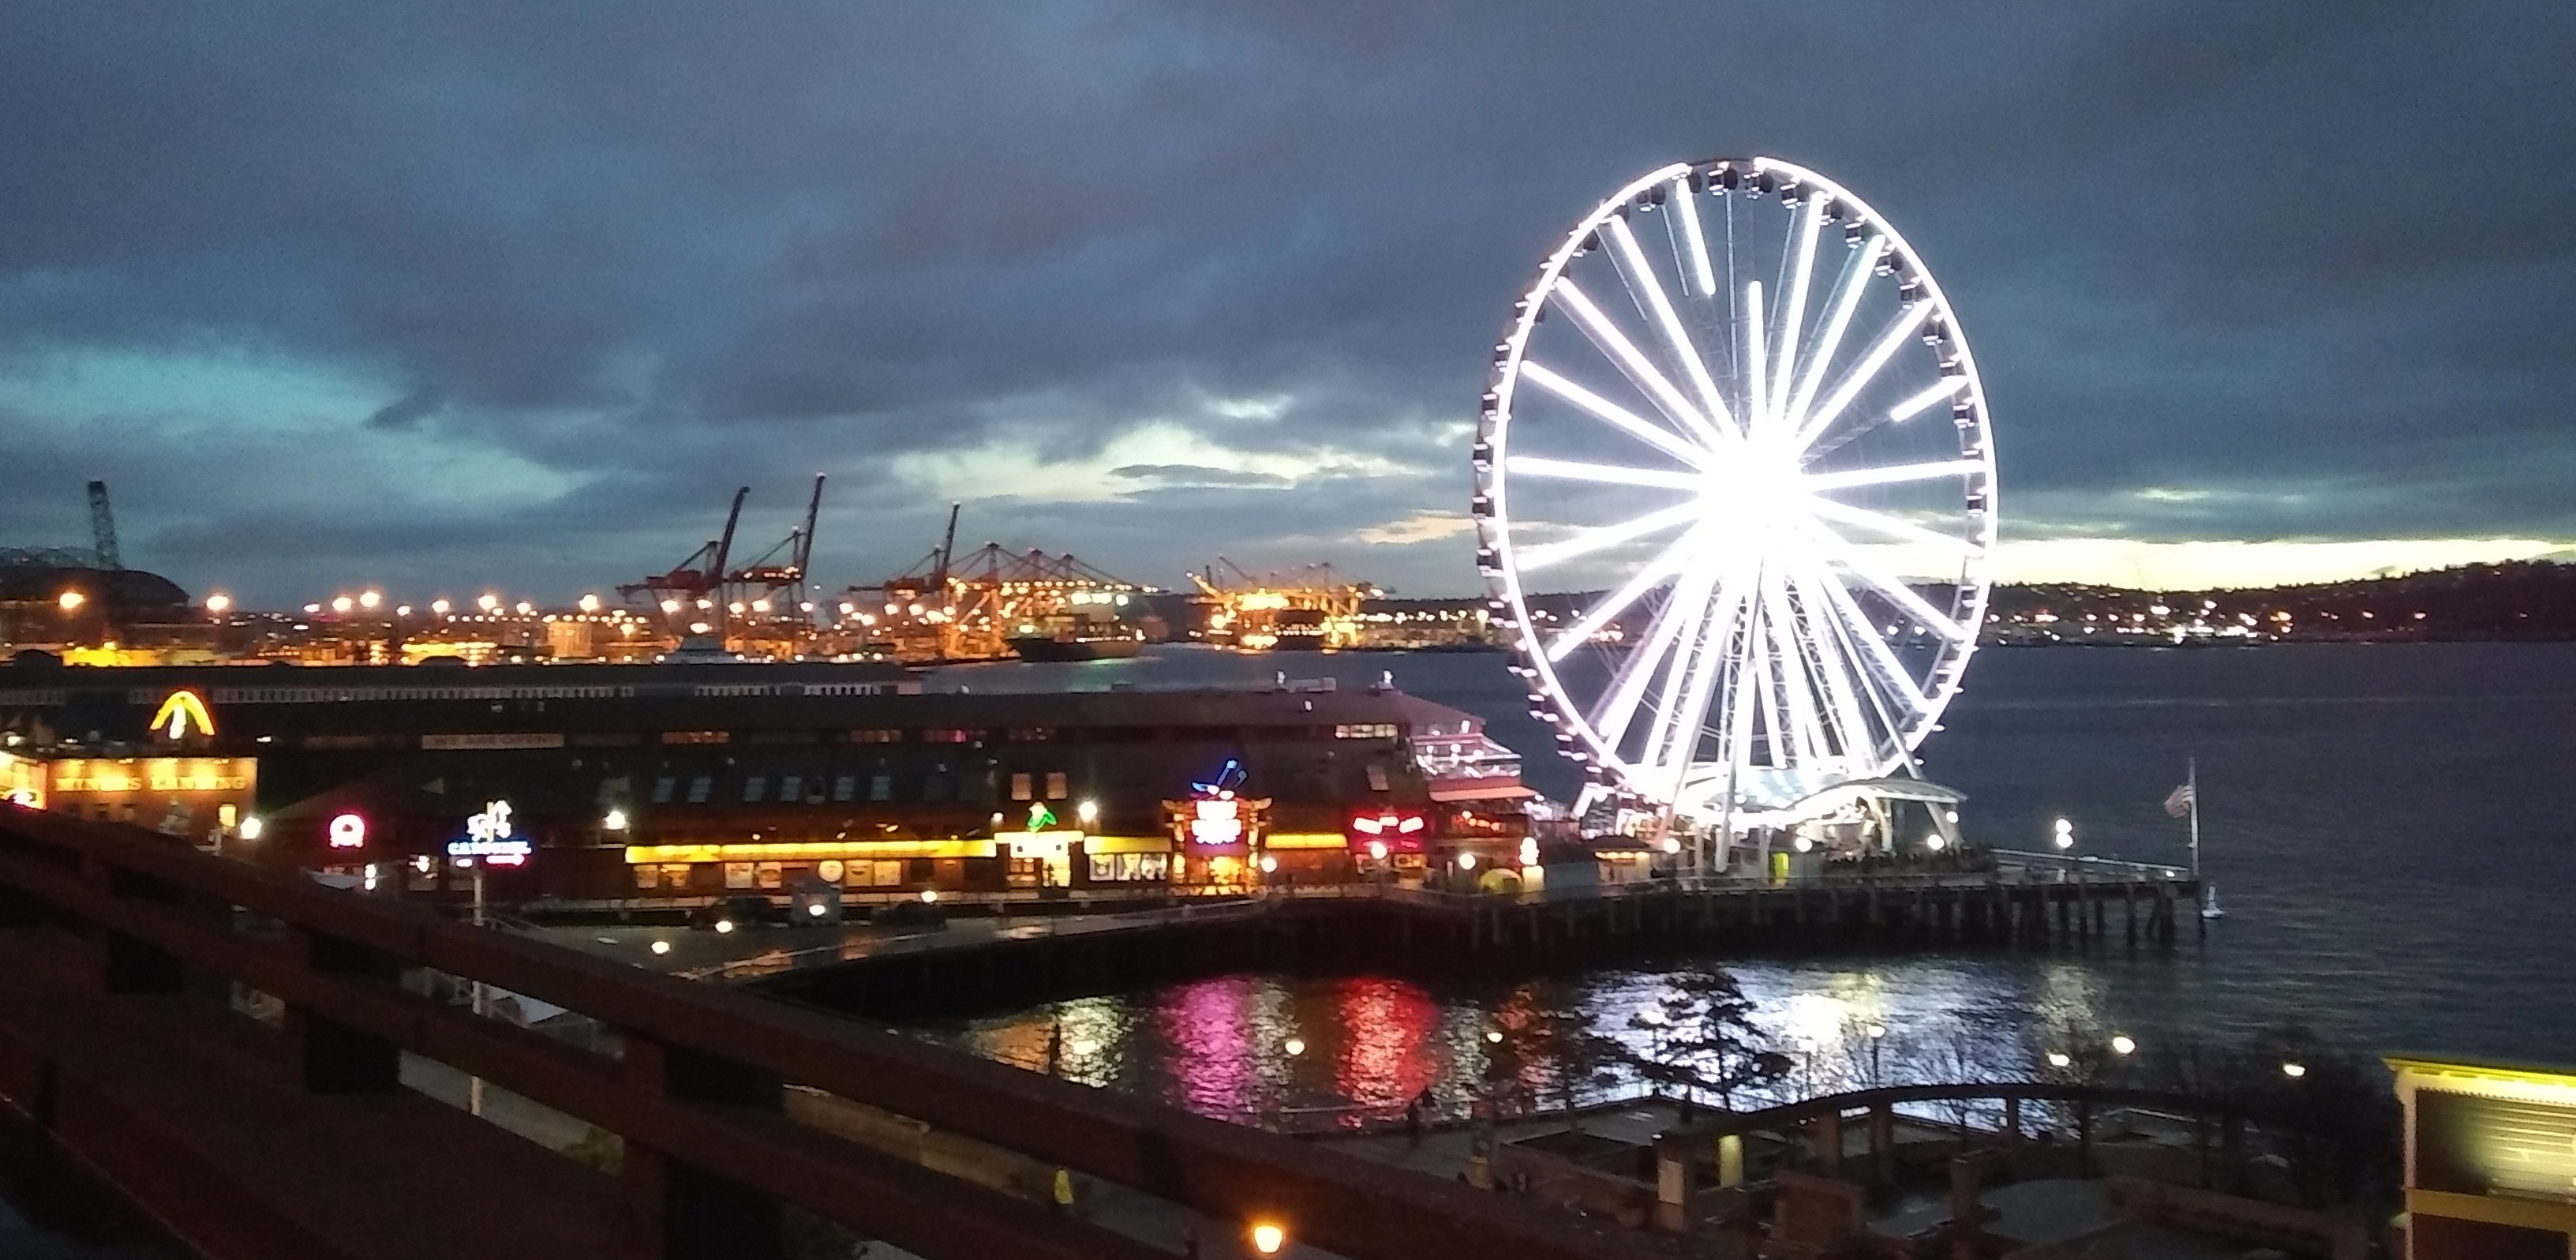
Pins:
x,y
1219,821
348,831
487,836
182,710
1389,829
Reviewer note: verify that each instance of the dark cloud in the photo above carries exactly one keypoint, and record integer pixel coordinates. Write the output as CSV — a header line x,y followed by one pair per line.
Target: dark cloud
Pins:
x,y
524,291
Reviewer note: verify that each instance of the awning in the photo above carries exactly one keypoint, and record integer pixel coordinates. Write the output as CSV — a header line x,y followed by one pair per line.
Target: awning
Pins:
x,y
1480,791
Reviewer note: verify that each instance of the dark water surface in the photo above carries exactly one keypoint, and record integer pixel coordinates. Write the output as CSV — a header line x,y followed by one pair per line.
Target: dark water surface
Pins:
x,y
2391,829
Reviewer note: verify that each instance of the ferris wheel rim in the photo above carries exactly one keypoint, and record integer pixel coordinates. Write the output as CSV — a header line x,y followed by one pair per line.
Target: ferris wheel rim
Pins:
x,y
1941,682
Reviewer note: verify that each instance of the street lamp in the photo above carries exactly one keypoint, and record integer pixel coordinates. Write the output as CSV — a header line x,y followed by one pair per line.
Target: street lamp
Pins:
x,y
1087,812
1268,1238
1294,1047
2294,1071
2065,834
2060,1059
2124,1045
616,820
72,600
218,602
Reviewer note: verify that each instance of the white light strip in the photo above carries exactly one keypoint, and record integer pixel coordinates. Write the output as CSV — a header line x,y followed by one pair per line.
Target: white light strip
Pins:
x,y
1890,526
1662,306
1613,474
1628,686
1689,207
1794,312
1819,482
1858,627
1947,387
1670,561
1626,421
1607,336
1903,596
1846,300
1592,540
1757,409
1697,659
1885,348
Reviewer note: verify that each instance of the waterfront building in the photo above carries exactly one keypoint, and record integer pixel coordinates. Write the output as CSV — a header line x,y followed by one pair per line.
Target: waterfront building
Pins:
x,y
2490,1159
679,783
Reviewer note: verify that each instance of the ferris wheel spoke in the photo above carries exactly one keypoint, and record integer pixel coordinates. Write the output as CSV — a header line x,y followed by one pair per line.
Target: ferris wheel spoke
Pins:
x,y
1851,665
1640,370
1896,592
1686,208
1798,709
1690,686
1889,526
1946,387
1757,400
1850,478
1606,536
1608,474
1618,417
1642,277
1672,560
1834,670
1628,685
1890,340
1856,625
1793,312
1848,289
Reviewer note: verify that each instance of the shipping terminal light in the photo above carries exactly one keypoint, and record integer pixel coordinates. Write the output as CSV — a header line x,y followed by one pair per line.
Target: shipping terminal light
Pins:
x,y
524,608
218,602
670,605
342,604
369,599
590,603
440,607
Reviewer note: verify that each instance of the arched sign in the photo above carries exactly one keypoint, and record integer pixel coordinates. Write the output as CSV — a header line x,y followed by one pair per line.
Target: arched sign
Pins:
x,y
179,712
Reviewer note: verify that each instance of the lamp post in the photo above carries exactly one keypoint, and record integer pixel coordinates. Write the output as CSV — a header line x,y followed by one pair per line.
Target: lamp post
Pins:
x,y
2064,835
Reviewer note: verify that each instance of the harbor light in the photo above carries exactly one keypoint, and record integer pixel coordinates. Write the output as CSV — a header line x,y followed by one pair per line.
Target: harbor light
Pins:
x,y
2294,1070
2065,834
369,599
440,607
1268,1238
488,603
661,947
71,600
590,603
218,602
342,604
523,608
2123,1044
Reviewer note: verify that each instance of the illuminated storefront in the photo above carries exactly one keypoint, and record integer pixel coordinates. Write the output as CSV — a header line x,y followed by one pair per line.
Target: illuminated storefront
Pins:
x,y
2490,1160
194,797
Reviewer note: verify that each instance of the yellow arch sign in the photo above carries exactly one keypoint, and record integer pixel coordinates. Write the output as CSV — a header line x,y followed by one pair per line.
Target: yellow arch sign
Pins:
x,y
179,712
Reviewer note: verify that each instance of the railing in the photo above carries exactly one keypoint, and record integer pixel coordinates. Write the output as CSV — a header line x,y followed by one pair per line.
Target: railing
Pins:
x,y
695,1085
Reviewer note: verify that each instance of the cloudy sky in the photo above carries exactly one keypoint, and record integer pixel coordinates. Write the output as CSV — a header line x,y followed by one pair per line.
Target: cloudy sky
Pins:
x,y
513,295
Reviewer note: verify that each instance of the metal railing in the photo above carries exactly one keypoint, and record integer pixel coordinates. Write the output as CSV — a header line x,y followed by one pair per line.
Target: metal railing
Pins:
x,y
696,1087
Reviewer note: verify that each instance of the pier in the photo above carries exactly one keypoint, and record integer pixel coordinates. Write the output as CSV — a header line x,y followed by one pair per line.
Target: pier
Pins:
x,y
2026,905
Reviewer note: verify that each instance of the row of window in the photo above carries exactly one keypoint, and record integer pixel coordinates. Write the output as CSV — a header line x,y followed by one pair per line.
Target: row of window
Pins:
x,y
816,789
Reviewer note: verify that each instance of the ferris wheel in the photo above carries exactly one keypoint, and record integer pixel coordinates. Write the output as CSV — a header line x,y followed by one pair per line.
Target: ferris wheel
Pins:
x,y
1735,492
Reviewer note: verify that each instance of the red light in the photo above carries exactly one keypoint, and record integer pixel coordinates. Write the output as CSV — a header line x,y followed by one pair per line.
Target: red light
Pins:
x,y
348,831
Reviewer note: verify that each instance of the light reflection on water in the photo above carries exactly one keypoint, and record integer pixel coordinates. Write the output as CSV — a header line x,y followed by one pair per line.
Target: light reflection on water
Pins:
x,y
1223,1047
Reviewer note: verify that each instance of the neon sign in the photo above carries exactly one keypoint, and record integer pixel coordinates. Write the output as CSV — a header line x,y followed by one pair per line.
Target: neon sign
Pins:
x,y
487,836
348,831
1040,817
1218,821
1389,824
1388,829
176,713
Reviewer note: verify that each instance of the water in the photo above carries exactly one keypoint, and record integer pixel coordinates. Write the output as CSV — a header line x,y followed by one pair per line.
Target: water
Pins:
x,y
2390,826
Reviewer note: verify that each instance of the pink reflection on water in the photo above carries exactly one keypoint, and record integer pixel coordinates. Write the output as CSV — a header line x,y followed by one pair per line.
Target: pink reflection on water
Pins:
x,y
1388,1053
1208,1027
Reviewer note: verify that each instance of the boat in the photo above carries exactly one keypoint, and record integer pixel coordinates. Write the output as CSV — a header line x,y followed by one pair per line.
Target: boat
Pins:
x,y
2209,902
1077,646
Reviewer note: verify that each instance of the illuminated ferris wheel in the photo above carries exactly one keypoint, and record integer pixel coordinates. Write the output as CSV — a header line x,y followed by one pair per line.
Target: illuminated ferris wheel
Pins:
x,y
1735,491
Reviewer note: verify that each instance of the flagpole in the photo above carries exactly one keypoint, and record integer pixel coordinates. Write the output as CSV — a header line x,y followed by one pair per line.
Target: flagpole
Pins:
x,y
2191,780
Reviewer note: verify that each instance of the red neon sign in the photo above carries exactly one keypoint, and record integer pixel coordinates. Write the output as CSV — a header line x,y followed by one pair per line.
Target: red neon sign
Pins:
x,y
348,831
1390,828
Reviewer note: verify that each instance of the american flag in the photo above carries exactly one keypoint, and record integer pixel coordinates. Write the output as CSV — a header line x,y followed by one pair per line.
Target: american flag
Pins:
x,y
2181,801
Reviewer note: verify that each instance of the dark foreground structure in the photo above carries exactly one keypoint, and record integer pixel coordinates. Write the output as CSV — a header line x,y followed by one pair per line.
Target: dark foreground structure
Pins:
x,y
225,1047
